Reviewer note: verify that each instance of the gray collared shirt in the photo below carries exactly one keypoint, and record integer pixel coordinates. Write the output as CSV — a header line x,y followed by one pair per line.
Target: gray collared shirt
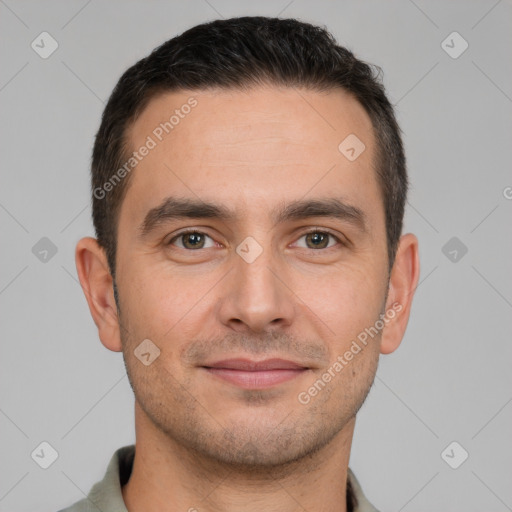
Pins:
x,y
106,495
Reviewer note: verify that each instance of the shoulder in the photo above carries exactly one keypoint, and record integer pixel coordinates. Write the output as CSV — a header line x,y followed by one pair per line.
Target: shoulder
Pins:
x,y
84,505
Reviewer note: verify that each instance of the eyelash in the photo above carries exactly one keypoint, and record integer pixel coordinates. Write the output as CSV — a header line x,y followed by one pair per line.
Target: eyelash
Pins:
x,y
312,230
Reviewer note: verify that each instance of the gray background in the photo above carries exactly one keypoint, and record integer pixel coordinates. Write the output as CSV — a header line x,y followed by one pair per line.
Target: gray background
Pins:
x,y
449,381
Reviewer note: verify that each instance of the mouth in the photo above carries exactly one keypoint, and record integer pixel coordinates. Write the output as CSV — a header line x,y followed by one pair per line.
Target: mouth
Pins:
x,y
249,374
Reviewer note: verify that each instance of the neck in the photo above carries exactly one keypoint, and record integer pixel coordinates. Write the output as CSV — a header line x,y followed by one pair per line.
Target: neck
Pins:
x,y
168,477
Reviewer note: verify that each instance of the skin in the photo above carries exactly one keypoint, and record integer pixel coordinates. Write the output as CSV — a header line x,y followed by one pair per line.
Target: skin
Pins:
x,y
202,442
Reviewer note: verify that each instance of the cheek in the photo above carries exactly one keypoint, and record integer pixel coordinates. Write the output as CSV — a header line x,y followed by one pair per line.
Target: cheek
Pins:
x,y
162,304
347,303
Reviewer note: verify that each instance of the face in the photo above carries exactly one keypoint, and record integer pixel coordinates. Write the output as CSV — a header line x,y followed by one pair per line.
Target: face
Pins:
x,y
246,236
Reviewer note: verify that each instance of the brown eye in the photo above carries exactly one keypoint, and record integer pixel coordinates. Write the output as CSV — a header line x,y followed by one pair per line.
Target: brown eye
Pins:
x,y
192,240
318,240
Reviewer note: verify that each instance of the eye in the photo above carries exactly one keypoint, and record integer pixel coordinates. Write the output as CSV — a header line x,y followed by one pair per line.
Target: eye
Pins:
x,y
192,240
317,239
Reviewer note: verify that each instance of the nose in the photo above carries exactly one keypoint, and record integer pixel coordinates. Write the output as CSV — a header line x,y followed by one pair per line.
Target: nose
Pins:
x,y
255,296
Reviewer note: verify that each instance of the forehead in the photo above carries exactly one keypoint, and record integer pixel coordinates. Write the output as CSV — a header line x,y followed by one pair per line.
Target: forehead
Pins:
x,y
240,147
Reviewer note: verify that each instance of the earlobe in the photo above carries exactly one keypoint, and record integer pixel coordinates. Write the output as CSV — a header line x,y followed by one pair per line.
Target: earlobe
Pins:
x,y
402,285
96,282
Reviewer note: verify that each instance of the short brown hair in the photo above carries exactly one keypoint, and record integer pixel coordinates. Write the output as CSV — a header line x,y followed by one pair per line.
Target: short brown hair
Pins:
x,y
238,53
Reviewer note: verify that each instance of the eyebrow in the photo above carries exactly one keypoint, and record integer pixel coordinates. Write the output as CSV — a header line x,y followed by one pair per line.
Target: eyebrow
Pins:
x,y
173,208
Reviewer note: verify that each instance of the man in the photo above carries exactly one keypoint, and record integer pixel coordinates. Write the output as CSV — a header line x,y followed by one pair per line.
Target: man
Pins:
x,y
248,186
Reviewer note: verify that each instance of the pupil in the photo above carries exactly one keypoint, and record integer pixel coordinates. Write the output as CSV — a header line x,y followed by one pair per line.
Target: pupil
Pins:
x,y
193,239
318,239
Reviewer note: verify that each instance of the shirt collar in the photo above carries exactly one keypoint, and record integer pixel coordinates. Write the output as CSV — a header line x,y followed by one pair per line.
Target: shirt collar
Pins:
x,y
107,495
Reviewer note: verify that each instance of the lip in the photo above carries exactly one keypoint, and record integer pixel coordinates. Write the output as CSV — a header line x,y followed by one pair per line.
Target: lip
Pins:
x,y
255,366
249,374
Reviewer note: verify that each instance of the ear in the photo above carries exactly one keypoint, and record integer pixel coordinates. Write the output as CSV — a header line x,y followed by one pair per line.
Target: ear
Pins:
x,y
402,285
97,284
